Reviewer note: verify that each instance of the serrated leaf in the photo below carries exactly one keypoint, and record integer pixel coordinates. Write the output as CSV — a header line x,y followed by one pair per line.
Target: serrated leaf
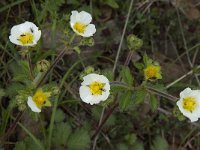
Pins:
x,y
80,139
125,100
20,146
139,66
139,96
122,146
138,146
61,133
96,113
59,116
159,143
2,93
13,89
153,102
111,3
131,138
126,75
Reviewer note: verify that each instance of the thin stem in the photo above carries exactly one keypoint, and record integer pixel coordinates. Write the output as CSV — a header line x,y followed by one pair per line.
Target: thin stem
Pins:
x,y
56,104
185,46
105,119
182,77
32,136
13,126
96,138
122,38
30,65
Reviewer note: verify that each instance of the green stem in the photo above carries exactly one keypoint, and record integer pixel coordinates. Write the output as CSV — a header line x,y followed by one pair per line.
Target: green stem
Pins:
x,y
32,136
56,104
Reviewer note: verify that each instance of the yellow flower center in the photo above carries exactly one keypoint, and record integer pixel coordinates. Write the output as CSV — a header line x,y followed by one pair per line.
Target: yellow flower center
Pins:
x,y
152,72
40,98
189,103
80,27
26,38
96,88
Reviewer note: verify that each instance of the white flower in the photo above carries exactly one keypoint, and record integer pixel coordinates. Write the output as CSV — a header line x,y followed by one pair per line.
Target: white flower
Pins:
x,y
189,104
33,105
39,100
94,88
25,34
80,23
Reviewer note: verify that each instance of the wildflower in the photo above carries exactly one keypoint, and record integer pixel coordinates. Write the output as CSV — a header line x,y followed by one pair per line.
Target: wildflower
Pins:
x,y
80,23
152,72
25,34
94,88
189,104
39,100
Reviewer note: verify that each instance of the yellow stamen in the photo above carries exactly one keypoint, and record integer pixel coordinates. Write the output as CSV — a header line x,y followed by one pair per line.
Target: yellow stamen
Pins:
x,y
96,88
189,103
40,98
26,38
80,27
152,72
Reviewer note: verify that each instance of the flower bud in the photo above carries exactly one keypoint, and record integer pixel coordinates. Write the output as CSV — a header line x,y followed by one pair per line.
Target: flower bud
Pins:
x,y
134,42
87,41
87,71
43,65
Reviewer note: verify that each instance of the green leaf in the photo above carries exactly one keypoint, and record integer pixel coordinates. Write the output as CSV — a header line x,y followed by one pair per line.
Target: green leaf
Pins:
x,y
20,71
122,146
153,102
14,88
131,138
159,143
2,93
111,3
96,113
20,146
80,139
138,146
126,75
59,116
139,66
61,133
140,96
125,100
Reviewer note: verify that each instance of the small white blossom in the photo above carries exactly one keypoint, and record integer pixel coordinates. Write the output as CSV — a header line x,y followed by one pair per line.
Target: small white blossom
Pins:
x,y
189,104
80,23
25,34
94,89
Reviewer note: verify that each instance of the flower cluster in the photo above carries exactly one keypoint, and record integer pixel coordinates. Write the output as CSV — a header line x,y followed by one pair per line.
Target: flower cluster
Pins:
x,y
95,88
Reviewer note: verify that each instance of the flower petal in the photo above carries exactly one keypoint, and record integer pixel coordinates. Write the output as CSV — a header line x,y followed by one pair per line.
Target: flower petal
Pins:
x,y
74,18
85,17
90,30
32,105
85,94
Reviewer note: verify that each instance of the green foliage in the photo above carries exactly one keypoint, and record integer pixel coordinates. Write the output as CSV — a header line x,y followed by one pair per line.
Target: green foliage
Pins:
x,y
127,76
26,144
159,143
80,139
140,95
61,133
20,71
96,113
111,3
125,100
153,102
59,116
